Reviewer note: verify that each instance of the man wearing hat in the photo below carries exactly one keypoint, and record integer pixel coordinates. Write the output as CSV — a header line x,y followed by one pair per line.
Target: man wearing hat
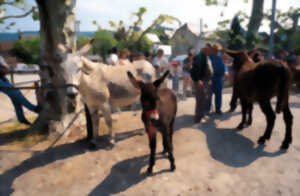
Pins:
x,y
220,70
201,74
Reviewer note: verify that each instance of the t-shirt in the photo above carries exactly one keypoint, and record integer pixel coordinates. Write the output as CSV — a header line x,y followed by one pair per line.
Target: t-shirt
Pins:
x,y
218,64
161,63
124,62
113,59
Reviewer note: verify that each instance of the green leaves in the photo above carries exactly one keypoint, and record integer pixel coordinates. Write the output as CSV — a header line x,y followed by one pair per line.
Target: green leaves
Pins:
x,y
28,50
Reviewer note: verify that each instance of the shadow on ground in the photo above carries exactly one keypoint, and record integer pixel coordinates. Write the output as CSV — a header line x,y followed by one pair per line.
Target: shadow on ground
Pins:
x,y
22,135
230,147
123,175
64,151
39,160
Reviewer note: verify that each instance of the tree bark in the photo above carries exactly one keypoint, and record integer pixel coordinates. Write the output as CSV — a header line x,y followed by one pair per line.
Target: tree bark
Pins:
x,y
292,33
57,25
256,16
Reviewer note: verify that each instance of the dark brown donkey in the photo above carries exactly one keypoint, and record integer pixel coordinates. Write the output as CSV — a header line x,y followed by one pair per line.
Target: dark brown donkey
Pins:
x,y
259,82
159,112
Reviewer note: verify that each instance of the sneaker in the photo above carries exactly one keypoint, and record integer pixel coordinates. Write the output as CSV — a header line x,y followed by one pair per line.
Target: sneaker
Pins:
x,y
38,109
26,122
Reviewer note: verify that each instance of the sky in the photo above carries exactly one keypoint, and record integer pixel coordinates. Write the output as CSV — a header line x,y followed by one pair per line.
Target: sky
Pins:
x,y
188,11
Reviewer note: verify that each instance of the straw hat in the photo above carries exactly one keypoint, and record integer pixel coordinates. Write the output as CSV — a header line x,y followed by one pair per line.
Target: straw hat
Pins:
x,y
217,46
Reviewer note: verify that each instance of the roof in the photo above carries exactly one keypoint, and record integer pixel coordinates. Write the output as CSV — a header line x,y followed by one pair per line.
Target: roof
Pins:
x,y
153,38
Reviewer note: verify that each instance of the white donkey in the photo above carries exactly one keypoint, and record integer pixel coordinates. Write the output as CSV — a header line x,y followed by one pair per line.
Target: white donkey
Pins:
x,y
102,87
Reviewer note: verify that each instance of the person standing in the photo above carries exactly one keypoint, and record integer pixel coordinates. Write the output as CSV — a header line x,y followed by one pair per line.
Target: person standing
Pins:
x,y
124,57
15,95
220,70
175,73
187,66
201,74
113,58
161,65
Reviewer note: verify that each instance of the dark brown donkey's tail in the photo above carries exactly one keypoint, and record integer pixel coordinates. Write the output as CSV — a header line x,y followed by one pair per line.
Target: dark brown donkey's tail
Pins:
x,y
284,88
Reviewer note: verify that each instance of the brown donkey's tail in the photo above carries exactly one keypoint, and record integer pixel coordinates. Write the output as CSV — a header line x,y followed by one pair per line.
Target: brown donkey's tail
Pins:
x,y
284,87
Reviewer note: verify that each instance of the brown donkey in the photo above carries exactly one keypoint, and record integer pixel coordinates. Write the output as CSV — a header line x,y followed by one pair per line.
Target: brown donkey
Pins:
x,y
259,82
159,111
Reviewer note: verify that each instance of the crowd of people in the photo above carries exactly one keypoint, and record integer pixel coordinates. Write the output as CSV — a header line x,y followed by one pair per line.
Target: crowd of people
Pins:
x,y
202,73
203,76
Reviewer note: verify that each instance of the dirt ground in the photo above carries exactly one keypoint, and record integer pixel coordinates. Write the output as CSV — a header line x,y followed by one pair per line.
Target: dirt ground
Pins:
x,y
212,158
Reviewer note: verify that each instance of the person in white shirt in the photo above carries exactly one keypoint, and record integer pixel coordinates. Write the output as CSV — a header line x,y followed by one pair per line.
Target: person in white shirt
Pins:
x,y
160,63
113,58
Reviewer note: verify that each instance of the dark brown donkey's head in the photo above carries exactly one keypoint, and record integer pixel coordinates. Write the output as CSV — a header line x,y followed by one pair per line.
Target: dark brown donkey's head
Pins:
x,y
149,96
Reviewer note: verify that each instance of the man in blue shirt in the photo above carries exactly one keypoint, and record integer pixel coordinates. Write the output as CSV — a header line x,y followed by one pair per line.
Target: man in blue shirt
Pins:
x,y
220,70
15,95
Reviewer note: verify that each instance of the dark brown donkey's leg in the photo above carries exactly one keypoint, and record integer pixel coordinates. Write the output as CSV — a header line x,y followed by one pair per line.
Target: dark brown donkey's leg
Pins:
x,y
270,116
288,119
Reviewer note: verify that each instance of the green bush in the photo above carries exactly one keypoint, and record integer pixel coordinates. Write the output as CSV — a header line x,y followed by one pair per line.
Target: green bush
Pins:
x,y
81,41
144,45
104,41
28,50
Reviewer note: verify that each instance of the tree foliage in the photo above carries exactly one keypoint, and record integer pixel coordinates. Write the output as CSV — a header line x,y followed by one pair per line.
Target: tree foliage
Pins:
x,y
28,50
104,41
21,5
134,37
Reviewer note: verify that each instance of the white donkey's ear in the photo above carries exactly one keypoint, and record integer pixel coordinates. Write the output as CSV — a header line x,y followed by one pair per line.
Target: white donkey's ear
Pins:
x,y
88,66
86,47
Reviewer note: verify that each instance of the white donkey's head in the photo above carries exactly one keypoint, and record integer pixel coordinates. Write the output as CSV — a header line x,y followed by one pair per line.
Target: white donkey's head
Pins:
x,y
72,67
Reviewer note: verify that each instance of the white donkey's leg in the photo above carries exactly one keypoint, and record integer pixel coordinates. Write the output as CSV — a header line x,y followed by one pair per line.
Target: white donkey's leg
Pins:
x,y
106,109
95,121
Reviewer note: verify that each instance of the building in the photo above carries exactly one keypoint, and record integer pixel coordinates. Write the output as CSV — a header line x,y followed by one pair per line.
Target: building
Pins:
x,y
184,40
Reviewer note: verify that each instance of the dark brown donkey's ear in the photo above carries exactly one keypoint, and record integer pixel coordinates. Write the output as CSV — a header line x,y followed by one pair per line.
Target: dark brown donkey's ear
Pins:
x,y
136,83
159,81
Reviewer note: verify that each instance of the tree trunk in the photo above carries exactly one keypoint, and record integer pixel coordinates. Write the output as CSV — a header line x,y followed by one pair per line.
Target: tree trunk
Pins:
x,y
254,22
292,33
57,25
256,16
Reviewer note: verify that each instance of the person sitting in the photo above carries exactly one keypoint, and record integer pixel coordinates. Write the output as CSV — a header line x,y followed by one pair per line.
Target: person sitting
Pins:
x,y
17,98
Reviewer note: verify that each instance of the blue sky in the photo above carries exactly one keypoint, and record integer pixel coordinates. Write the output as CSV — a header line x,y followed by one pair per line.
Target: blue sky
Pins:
x,y
187,11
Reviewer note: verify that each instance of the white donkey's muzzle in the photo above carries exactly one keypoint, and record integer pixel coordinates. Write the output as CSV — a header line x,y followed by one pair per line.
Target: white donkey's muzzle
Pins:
x,y
72,92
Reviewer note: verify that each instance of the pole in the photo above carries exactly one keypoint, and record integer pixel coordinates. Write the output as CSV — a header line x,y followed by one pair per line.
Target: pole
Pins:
x,y
271,41
201,27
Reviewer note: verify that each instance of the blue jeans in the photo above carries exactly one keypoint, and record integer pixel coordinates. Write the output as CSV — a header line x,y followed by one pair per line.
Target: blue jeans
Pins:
x,y
17,99
217,87
175,83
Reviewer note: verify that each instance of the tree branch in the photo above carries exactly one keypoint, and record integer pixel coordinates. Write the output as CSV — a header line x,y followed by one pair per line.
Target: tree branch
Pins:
x,y
19,16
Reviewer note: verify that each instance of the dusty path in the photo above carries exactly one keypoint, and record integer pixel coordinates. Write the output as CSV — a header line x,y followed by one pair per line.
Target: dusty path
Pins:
x,y
211,159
